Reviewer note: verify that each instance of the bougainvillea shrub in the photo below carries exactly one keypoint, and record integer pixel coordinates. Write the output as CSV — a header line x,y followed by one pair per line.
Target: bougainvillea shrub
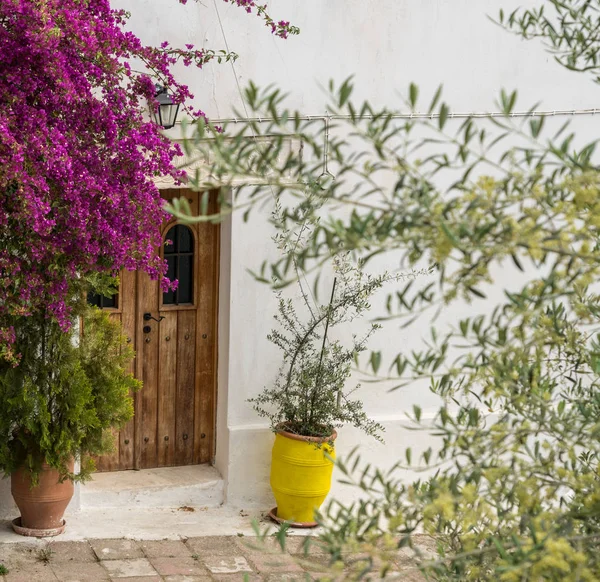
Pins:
x,y
77,150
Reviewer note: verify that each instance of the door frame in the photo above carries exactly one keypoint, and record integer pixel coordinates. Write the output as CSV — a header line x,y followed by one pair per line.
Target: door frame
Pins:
x,y
206,325
130,309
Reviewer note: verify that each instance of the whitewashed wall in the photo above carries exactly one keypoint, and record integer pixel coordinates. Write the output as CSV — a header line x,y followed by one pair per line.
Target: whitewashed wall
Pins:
x,y
385,44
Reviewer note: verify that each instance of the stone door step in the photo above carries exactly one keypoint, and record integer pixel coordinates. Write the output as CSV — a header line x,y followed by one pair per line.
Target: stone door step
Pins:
x,y
167,487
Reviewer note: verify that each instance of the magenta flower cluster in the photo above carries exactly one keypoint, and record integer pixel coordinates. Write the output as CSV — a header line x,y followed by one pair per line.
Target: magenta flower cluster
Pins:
x,y
282,28
77,151
76,154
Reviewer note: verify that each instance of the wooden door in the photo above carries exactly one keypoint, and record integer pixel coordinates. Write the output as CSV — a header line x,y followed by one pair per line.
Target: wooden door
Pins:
x,y
174,335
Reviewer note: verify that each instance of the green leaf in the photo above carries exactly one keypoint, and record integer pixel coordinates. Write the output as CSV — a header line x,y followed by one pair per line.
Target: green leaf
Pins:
x,y
536,125
507,101
413,95
517,262
345,92
427,455
204,203
435,99
477,293
499,548
450,234
375,361
444,111
417,412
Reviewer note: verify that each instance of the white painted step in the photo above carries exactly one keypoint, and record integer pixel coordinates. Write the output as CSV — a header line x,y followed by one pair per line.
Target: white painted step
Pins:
x,y
167,487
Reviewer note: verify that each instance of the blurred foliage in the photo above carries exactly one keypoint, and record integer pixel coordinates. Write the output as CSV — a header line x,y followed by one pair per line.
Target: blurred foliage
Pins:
x,y
68,392
504,213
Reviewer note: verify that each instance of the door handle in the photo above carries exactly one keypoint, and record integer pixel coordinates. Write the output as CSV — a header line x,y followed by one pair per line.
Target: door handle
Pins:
x,y
148,317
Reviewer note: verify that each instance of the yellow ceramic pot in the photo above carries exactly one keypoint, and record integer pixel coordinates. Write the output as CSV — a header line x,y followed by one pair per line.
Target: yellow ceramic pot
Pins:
x,y
301,475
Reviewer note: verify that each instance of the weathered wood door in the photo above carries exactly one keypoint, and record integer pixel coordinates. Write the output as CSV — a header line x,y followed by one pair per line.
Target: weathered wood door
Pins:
x,y
174,336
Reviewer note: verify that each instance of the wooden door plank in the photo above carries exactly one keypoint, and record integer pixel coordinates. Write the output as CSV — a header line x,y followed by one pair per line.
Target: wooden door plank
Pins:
x,y
148,354
186,355
212,413
207,339
167,388
128,317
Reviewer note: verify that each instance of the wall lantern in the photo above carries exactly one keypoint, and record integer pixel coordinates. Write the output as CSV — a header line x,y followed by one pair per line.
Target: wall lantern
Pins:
x,y
165,114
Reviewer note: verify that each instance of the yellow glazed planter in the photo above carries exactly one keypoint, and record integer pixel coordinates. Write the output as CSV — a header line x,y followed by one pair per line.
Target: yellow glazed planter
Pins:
x,y
301,475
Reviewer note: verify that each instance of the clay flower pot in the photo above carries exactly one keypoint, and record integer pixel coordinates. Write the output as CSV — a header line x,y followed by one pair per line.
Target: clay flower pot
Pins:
x,y
42,507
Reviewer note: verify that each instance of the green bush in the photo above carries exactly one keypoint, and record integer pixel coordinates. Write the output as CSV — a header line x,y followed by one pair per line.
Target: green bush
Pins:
x,y
65,394
310,394
511,491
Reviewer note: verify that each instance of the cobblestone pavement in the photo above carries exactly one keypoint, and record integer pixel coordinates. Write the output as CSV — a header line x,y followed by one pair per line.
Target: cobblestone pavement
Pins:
x,y
197,559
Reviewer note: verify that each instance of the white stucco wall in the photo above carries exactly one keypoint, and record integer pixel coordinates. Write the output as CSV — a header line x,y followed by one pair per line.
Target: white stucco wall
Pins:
x,y
385,44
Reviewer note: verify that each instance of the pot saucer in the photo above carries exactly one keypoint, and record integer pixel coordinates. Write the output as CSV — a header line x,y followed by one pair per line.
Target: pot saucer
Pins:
x,y
299,524
37,533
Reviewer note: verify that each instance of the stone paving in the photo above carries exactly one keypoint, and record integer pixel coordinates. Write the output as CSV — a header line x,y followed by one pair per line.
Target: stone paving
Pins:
x,y
198,559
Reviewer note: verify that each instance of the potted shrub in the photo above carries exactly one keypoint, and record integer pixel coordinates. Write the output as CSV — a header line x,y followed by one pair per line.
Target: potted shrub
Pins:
x,y
309,399
57,403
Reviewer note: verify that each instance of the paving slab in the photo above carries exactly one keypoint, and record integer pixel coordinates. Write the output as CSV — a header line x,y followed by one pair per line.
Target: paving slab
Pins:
x,y
165,549
117,549
79,571
255,544
80,552
129,568
140,579
290,577
31,572
12,555
315,563
213,545
182,566
304,544
238,577
179,578
227,564
268,563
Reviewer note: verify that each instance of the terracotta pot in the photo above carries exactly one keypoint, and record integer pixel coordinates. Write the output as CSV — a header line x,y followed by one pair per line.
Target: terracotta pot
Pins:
x,y
42,507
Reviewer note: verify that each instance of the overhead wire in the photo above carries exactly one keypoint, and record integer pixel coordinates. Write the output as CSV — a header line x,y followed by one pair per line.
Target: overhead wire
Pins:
x,y
411,115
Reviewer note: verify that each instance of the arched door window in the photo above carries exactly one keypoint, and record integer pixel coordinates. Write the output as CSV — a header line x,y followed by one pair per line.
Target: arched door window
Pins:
x,y
179,255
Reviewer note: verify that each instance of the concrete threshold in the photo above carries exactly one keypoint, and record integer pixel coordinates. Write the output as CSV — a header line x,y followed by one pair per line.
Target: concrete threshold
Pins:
x,y
164,488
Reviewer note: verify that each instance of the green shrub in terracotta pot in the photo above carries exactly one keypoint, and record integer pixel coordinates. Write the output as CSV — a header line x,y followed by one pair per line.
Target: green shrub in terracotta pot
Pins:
x,y
59,403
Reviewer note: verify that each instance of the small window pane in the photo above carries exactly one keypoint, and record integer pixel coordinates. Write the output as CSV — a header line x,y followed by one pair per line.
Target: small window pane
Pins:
x,y
102,301
94,299
184,290
169,296
186,241
180,260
